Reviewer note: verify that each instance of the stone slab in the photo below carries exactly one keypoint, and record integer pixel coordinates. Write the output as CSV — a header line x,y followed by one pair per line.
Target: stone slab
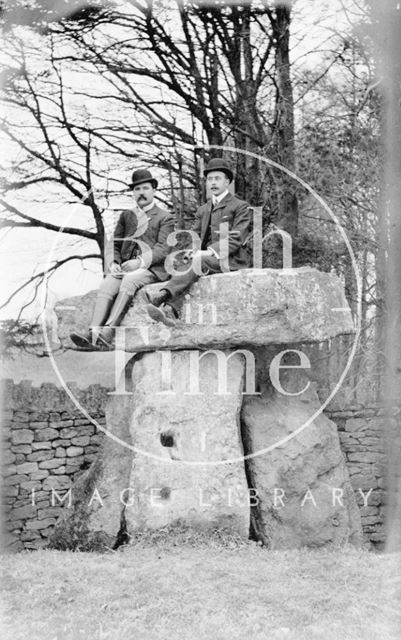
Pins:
x,y
250,307
184,443
304,493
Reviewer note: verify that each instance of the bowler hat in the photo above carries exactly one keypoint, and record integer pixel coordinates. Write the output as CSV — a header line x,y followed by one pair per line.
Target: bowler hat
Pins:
x,y
143,175
218,164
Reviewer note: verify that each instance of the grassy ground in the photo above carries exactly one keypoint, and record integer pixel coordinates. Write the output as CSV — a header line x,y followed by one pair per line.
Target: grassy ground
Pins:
x,y
214,589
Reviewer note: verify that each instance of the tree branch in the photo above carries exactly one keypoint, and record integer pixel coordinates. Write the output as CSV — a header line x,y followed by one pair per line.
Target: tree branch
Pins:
x,y
34,222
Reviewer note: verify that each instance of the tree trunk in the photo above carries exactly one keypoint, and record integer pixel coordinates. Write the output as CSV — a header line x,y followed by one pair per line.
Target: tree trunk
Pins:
x,y
393,332
388,16
287,217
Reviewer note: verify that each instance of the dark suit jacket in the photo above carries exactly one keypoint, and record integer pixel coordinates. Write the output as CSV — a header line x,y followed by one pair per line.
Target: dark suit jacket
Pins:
x,y
161,223
237,214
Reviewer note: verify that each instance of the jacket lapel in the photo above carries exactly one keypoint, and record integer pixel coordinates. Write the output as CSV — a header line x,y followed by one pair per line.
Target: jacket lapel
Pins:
x,y
208,212
218,211
206,220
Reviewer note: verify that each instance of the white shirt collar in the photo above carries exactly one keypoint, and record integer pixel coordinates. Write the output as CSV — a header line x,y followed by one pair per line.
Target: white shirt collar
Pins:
x,y
148,206
217,199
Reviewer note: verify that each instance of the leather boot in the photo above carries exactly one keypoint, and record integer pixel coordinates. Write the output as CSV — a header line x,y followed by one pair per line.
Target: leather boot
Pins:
x,y
120,308
100,313
159,309
156,298
164,314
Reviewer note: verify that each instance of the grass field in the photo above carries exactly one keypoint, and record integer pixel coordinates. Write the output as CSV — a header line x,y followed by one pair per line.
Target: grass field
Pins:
x,y
211,589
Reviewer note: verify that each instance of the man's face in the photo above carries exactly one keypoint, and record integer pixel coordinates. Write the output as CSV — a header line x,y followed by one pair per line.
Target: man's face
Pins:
x,y
217,182
143,193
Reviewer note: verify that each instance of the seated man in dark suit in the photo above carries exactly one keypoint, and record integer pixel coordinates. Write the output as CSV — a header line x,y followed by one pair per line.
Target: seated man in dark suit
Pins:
x,y
223,210
140,249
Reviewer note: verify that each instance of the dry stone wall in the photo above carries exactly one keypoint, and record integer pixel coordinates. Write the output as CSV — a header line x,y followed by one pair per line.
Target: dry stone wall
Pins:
x,y
361,432
48,443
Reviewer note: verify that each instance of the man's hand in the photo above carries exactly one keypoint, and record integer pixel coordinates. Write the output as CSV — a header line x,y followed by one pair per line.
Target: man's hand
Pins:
x,y
115,270
190,254
131,265
187,256
202,253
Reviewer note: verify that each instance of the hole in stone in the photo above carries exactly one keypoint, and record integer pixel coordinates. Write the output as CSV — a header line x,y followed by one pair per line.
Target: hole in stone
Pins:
x,y
165,493
167,440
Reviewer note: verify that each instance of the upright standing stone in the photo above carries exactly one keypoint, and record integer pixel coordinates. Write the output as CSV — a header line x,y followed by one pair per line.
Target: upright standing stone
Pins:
x,y
305,495
185,430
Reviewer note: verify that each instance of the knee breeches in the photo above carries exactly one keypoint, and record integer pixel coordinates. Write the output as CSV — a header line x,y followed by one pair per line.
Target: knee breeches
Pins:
x,y
129,283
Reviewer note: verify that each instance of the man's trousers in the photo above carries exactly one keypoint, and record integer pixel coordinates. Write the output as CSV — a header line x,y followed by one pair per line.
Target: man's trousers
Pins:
x,y
129,283
180,283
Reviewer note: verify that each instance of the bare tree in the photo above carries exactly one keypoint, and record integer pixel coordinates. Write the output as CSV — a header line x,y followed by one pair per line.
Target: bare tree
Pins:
x,y
340,154
63,149
222,67
161,80
164,81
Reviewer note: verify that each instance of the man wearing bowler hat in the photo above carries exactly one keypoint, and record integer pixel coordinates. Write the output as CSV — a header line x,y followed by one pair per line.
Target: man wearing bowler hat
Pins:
x,y
140,249
222,211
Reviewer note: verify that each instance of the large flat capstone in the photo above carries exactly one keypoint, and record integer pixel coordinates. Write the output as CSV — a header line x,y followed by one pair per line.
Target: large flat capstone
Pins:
x,y
251,307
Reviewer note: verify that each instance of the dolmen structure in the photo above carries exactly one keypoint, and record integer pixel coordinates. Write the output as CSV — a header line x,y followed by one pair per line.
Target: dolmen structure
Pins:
x,y
215,422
